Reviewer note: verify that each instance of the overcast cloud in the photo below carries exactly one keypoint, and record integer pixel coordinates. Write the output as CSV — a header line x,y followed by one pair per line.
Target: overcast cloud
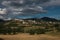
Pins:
x,y
52,3
22,7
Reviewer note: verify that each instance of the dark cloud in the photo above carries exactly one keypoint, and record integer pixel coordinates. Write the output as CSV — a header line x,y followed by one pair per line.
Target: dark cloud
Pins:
x,y
52,3
23,2
25,7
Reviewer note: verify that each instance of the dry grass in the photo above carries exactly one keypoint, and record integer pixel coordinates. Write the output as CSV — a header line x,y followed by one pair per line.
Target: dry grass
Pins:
x,y
29,37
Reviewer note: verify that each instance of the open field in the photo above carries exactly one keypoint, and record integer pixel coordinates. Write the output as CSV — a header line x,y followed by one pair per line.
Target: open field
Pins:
x,y
29,37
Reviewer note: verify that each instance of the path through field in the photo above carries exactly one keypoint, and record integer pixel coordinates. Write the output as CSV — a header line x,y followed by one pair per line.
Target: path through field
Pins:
x,y
29,37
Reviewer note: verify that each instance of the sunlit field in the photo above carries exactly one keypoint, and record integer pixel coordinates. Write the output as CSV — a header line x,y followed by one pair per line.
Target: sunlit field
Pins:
x,y
29,37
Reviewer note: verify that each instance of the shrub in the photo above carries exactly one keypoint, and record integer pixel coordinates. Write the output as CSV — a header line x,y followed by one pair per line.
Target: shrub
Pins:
x,y
40,31
57,26
31,32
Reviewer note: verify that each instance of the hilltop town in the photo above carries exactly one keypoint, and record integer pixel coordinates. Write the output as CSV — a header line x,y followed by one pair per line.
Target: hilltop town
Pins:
x,y
30,25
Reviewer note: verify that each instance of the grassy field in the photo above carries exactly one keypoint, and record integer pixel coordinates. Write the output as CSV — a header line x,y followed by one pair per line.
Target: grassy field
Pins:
x,y
29,37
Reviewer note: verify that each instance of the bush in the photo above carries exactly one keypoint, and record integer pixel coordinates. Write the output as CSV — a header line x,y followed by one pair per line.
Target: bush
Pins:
x,y
32,32
57,26
40,31
37,31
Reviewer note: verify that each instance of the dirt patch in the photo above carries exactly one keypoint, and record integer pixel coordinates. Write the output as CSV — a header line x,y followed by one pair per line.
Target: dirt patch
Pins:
x,y
28,37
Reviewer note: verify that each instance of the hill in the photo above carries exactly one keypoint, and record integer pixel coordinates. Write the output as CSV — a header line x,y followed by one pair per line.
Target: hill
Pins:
x,y
43,19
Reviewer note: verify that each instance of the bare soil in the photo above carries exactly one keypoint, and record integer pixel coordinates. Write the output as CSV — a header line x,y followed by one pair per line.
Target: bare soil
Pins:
x,y
28,37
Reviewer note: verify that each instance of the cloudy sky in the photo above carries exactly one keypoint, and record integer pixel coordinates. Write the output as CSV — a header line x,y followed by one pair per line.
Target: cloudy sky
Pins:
x,y
29,8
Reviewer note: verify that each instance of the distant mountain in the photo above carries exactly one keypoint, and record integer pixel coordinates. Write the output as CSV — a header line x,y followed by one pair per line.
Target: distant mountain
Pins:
x,y
43,19
36,19
48,19
30,19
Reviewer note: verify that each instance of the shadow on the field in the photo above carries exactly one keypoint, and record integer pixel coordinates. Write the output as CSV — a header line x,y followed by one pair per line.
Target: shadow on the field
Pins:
x,y
1,39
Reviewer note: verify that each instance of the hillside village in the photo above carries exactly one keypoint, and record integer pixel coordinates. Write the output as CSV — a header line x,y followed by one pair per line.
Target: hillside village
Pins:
x,y
32,26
